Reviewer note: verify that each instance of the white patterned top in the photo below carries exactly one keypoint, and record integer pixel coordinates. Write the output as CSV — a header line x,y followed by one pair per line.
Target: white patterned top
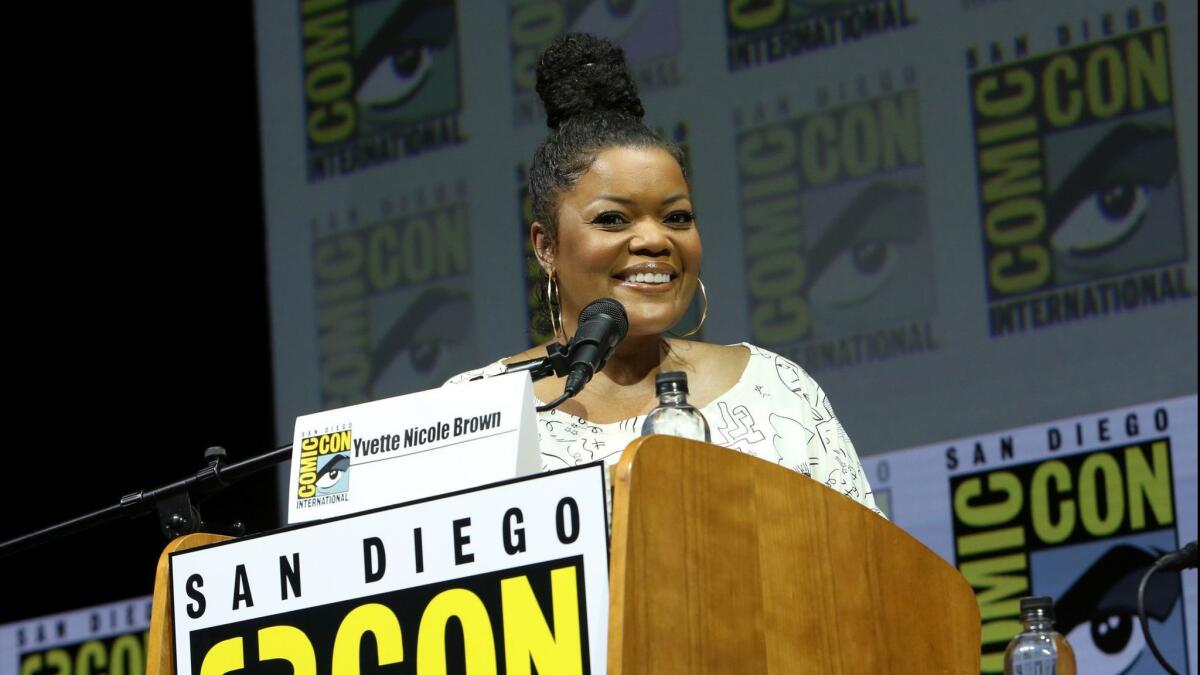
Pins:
x,y
775,411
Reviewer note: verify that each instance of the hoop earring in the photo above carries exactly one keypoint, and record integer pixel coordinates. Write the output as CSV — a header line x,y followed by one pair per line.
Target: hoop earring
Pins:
x,y
553,298
703,312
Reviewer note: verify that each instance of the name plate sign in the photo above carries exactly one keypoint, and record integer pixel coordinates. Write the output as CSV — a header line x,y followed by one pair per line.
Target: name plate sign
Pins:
x,y
399,449
491,580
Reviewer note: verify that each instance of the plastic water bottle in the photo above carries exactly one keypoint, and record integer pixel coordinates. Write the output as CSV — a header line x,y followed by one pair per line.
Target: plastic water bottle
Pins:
x,y
1038,649
674,416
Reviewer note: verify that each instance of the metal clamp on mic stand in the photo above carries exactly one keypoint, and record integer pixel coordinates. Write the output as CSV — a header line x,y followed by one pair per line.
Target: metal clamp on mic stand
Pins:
x,y
602,326
555,363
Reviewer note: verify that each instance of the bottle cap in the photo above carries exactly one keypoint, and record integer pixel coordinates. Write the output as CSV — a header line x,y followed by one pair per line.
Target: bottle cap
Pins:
x,y
1035,602
671,380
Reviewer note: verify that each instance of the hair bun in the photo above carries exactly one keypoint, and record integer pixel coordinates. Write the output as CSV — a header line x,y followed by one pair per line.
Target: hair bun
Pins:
x,y
581,73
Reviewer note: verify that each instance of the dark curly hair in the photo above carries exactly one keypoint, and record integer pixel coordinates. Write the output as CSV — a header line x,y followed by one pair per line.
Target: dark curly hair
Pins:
x,y
591,104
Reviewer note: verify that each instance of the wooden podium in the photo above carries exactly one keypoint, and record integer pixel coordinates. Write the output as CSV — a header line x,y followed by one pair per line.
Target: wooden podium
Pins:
x,y
725,563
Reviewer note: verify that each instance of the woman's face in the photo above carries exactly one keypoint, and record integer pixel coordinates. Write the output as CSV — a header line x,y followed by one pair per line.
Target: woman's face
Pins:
x,y
626,231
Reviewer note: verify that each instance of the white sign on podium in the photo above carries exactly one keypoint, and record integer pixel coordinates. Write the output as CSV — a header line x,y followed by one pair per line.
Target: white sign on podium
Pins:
x,y
408,447
499,577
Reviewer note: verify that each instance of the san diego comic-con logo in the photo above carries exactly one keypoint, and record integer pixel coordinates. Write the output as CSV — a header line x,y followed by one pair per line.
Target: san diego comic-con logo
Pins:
x,y
381,82
647,30
765,31
1080,203
324,475
1080,528
393,284
838,253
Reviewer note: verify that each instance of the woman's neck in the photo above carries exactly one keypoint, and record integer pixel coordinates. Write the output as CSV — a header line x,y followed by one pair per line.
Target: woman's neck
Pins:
x,y
636,358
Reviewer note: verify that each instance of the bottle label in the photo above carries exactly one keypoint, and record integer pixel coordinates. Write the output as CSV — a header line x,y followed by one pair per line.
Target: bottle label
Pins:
x,y
1036,664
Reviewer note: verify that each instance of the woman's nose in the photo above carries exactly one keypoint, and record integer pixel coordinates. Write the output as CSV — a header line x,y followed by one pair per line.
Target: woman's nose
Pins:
x,y
649,238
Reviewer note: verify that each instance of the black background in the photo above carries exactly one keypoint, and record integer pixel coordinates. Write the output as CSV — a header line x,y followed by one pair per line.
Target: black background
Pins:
x,y
137,331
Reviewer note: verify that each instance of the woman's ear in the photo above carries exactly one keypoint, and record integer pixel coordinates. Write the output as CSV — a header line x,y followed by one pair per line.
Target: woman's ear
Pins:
x,y
543,245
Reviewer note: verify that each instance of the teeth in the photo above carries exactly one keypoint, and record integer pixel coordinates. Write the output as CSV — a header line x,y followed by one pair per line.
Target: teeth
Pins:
x,y
644,278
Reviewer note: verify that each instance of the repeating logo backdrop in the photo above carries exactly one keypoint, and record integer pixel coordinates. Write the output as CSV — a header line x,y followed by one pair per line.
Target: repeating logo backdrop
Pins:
x,y
959,217
1076,509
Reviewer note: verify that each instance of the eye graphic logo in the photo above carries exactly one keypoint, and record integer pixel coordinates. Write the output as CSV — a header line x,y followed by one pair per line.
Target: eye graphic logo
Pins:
x,y
392,295
1080,200
381,82
1020,530
324,465
837,243
1097,611
333,474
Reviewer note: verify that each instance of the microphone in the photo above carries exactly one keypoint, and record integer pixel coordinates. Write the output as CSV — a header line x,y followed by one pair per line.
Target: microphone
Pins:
x,y
1177,561
602,325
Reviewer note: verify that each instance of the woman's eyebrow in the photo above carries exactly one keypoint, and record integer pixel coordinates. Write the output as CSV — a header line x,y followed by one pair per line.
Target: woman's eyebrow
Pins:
x,y
626,200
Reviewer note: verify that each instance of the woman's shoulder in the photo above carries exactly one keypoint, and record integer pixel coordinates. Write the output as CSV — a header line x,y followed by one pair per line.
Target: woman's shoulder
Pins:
x,y
767,368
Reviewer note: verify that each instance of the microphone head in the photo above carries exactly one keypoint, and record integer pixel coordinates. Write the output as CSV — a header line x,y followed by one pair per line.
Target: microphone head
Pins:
x,y
610,308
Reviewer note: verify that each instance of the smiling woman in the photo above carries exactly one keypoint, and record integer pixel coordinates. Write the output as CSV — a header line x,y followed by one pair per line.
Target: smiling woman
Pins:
x,y
614,218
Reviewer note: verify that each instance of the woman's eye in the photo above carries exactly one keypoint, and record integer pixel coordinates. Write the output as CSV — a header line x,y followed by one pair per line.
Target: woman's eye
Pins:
x,y
609,219
681,218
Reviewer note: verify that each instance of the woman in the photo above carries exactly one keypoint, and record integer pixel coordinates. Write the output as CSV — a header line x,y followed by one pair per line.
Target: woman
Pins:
x,y
614,218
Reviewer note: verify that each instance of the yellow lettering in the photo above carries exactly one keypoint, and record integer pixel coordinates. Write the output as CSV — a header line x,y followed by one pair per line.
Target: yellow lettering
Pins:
x,y
1039,498
1025,270
1089,504
768,151
58,659
819,155
331,123
1147,485
527,637
128,652
290,644
224,657
1062,100
383,268
999,483
781,320
753,14
1147,71
478,640
860,141
993,99
373,618
900,129
1105,67
1012,169
998,593
992,540
92,657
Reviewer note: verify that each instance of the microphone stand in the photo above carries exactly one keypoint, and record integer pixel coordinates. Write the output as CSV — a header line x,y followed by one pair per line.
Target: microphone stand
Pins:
x,y
556,362
176,513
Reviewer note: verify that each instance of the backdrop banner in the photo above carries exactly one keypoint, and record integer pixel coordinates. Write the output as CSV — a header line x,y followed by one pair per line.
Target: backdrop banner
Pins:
x,y
109,638
1076,509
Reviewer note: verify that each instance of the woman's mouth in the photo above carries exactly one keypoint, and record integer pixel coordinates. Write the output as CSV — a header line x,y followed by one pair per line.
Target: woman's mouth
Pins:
x,y
648,278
